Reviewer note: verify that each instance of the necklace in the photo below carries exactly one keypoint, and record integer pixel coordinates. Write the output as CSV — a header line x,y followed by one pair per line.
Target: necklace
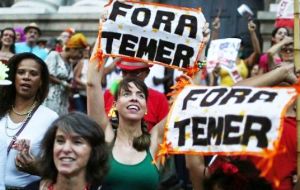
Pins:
x,y
9,130
24,113
13,129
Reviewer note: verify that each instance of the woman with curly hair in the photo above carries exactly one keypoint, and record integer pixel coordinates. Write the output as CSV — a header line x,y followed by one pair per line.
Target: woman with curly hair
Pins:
x,y
23,117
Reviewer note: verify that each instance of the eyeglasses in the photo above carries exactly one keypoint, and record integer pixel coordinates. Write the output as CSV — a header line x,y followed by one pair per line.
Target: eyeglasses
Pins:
x,y
287,50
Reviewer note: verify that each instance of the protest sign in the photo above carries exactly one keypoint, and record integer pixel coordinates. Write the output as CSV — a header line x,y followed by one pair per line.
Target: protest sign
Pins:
x,y
162,34
224,52
223,120
285,14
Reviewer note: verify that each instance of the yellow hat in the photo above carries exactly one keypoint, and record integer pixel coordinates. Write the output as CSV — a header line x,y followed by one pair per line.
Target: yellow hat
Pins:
x,y
77,41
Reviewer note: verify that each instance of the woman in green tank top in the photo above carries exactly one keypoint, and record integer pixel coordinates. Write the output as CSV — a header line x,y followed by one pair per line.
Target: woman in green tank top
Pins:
x,y
133,147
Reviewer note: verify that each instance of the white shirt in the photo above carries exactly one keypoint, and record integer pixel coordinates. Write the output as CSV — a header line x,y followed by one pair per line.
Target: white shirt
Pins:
x,y
34,131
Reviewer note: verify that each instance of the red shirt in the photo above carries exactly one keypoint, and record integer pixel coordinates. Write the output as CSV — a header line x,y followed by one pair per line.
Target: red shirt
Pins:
x,y
157,106
284,164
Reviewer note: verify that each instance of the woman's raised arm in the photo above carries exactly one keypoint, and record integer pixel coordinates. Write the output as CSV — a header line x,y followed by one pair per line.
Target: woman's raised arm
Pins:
x,y
95,99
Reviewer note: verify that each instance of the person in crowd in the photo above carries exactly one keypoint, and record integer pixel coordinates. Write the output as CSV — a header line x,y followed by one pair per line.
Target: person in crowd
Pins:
x,y
236,175
280,37
80,77
32,32
63,38
281,74
157,104
73,155
22,116
132,146
61,73
243,64
7,44
254,71
3,82
20,34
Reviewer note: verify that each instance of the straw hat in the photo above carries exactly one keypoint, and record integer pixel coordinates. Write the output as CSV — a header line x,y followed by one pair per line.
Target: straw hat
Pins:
x,y
33,25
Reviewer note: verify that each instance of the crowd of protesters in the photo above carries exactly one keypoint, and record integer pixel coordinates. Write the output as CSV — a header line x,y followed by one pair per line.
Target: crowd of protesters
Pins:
x,y
114,146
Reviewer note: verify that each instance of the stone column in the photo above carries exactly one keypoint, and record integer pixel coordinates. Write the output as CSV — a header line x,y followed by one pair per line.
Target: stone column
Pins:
x,y
36,6
84,6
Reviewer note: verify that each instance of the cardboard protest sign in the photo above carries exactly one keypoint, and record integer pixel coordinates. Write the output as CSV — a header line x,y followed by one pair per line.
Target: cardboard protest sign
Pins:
x,y
162,34
223,120
285,14
224,52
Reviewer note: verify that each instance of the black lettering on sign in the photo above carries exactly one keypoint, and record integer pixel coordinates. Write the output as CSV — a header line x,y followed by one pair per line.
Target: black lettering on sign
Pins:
x,y
146,48
230,129
219,91
164,49
236,93
126,47
110,36
163,17
146,14
215,130
189,97
260,134
187,21
269,96
181,126
183,53
116,10
198,130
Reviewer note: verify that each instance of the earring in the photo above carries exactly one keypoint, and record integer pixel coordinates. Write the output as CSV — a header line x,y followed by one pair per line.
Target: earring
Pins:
x,y
112,112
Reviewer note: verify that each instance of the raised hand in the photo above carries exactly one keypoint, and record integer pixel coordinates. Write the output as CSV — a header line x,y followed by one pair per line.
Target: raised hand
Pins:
x,y
251,26
216,24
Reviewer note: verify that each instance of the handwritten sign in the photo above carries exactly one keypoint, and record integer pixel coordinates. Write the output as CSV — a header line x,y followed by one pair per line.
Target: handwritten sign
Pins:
x,y
222,120
162,34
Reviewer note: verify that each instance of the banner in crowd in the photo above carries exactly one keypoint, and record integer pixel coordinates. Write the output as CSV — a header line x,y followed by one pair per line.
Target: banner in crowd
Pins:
x,y
285,14
223,120
223,52
163,34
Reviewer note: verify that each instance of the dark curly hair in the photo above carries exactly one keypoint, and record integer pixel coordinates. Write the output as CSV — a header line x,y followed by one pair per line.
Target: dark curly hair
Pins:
x,y
246,177
143,141
88,129
8,93
12,47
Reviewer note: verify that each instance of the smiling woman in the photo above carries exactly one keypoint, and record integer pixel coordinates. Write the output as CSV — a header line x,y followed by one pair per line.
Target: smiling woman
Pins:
x,y
23,117
7,44
74,155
